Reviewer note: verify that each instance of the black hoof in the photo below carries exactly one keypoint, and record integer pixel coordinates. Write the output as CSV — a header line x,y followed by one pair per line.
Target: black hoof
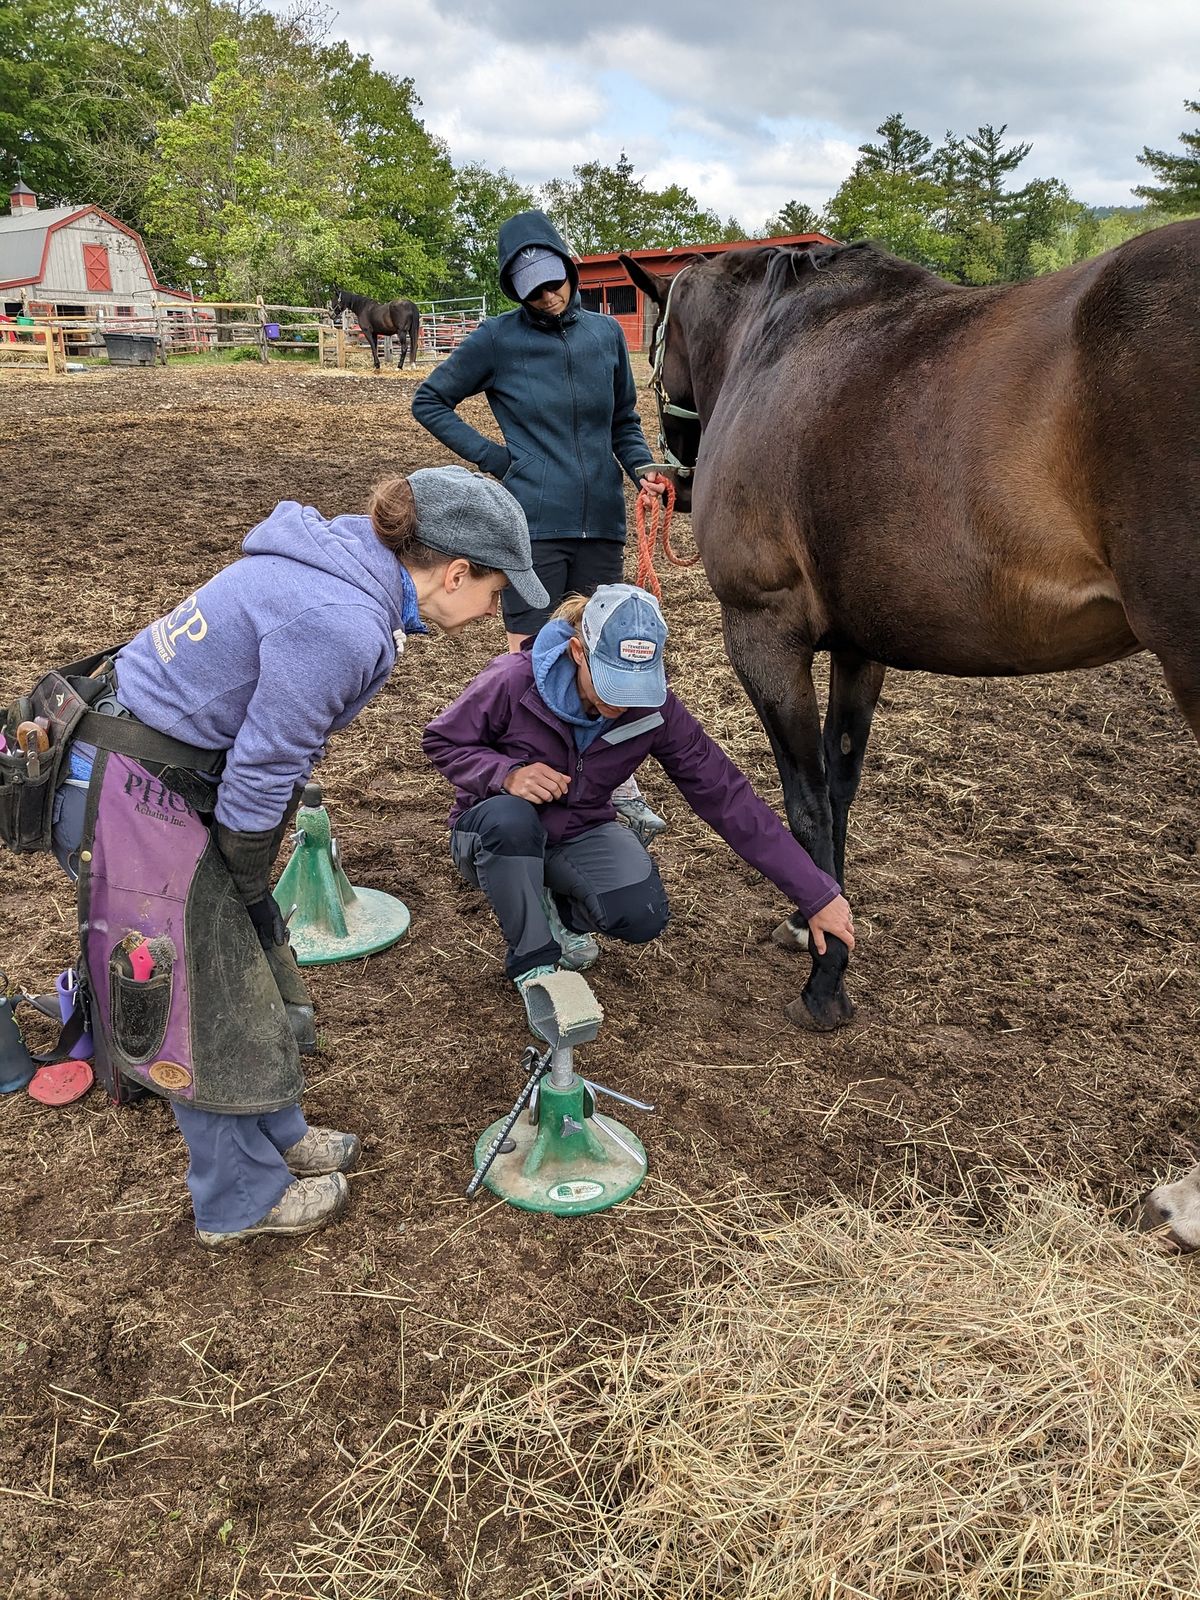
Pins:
x,y
826,1016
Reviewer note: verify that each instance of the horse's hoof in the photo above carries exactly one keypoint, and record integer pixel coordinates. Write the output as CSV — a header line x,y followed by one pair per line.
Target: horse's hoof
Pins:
x,y
828,1019
789,938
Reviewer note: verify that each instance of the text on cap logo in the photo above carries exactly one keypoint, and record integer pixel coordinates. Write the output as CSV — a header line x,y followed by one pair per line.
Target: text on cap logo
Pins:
x,y
638,650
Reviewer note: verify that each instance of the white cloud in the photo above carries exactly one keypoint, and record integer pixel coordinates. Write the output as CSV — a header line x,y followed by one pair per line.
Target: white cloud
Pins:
x,y
755,103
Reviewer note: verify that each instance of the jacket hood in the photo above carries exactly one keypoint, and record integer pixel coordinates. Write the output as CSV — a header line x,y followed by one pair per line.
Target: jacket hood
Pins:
x,y
345,548
557,682
525,229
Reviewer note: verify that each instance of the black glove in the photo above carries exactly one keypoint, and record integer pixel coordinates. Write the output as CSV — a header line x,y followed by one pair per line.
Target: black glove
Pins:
x,y
268,922
249,857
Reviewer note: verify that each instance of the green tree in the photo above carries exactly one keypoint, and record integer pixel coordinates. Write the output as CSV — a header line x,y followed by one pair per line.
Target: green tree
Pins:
x,y
897,210
152,60
904,152
1178,187
1090,232
986,164
402,188
253,186
609,208
483,200
1039,212
795,217
976,209
54,64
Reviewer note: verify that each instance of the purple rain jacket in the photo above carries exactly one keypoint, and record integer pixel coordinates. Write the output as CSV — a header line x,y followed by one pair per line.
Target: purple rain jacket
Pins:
x,y
501,722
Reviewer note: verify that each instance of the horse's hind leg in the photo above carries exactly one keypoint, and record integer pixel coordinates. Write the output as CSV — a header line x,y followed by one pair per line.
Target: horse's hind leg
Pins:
x,y
778,679
1183,680
854,685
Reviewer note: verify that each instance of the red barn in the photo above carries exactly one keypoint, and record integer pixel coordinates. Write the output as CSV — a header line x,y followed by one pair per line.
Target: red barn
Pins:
x,y
604,286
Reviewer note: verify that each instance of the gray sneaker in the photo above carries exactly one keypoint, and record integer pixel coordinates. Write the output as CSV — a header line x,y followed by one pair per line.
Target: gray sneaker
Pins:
x,y
579,950
322,1150
642,822
307,1204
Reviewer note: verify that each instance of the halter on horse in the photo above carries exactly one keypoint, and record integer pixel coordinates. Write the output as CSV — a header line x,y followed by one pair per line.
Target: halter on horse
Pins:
x,y
681,470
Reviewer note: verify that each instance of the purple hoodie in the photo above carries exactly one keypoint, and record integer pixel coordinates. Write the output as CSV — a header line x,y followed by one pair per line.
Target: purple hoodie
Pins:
x,y
501,722
273,654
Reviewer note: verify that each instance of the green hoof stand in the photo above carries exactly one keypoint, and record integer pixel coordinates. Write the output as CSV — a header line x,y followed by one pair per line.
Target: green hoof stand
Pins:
x,y
332,921
565,1159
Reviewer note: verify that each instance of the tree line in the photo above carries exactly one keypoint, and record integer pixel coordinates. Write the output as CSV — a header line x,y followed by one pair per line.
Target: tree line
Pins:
x,y
256,155
957,209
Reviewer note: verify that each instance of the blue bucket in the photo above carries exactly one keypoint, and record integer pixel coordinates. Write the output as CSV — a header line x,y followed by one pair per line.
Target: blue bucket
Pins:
x,y
271,329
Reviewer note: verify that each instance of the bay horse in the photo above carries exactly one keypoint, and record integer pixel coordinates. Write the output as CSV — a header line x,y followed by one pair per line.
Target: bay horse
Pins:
x,y
397,318
908,473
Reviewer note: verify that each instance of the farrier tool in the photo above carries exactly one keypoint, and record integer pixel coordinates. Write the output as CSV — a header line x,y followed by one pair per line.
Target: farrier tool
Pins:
x,y
563,1157
33,741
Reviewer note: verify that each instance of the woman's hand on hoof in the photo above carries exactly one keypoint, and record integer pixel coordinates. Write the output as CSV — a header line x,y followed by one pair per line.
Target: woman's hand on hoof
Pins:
x,y
537,782
836,918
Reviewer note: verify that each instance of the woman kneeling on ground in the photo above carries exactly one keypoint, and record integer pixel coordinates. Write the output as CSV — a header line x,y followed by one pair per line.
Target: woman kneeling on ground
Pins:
x,y
194,991
534,748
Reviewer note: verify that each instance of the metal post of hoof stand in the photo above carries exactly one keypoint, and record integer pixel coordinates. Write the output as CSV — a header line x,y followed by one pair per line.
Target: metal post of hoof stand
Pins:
x,y
330,920
564,1156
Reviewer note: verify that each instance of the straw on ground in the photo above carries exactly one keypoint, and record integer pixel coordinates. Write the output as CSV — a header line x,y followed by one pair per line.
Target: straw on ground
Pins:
x,y
889,1400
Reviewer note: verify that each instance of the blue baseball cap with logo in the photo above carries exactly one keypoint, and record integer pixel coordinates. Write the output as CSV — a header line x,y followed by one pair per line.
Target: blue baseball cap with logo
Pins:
x,y
625,631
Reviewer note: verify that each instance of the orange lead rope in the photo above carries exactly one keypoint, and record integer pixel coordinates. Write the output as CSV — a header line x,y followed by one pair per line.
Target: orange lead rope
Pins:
x,y
657,535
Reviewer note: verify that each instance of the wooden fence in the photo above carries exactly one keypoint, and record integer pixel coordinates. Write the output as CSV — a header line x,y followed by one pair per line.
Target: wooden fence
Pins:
x,y
207,327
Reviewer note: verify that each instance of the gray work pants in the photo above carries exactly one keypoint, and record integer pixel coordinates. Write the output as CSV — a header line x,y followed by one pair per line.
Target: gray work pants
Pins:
x,y
602,882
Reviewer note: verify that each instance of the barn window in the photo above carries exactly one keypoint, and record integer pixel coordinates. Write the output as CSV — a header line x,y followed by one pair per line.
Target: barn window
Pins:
x,y
590,299
622,300
95,267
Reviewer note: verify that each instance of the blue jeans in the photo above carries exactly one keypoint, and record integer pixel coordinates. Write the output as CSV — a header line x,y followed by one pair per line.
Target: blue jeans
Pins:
x,y
236,1171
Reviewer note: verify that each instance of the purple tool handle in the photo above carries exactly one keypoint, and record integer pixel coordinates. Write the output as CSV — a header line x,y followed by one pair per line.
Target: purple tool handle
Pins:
x,y
67,988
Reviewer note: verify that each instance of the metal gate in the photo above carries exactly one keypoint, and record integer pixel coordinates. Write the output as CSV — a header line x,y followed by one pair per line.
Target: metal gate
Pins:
x,y
446,323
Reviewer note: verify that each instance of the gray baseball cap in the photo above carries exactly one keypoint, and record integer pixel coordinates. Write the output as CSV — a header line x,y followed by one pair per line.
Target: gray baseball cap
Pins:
x,y
625,633
534,267
461,513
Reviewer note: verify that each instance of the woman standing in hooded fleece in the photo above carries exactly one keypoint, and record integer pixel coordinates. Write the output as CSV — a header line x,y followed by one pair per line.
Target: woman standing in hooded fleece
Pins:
x,y
560,386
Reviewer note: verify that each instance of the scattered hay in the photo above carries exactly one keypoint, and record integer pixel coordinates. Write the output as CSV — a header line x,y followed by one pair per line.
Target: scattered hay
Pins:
x,y
890,1401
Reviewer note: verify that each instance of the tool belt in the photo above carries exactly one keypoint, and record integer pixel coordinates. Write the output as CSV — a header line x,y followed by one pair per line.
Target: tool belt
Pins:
x,y
38,730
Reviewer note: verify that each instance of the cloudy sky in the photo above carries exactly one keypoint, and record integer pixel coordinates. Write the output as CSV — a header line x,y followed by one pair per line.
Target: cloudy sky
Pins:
x,y
751,103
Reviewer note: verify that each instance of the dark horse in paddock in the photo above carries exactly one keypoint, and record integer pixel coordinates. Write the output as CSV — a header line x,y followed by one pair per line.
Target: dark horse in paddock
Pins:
x,y
398,318
910,474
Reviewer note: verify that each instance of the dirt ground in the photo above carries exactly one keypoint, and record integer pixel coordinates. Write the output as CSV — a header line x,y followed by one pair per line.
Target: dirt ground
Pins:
x,y
1023,869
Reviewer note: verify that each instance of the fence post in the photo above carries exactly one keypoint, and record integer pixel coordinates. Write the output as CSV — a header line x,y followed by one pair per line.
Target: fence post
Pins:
x,y
262,328
341,347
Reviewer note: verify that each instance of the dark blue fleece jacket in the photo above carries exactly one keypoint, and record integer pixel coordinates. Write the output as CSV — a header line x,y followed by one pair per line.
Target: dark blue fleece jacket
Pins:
x,y
561,390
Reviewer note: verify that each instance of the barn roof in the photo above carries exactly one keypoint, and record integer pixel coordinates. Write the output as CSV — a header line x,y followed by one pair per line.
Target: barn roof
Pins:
x,y
23,241
23,237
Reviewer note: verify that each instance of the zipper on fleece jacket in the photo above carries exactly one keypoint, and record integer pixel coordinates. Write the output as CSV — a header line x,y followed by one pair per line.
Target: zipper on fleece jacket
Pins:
x,y
583,477
533,701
